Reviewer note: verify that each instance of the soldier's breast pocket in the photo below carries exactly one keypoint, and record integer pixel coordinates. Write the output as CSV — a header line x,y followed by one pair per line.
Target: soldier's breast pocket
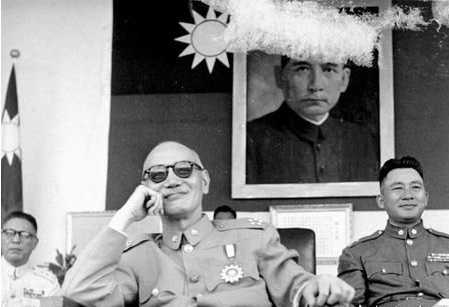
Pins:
x,y
383,270
167,288
238,274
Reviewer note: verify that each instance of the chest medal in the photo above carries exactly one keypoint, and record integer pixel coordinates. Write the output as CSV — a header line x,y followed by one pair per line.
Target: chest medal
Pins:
x,y
231,273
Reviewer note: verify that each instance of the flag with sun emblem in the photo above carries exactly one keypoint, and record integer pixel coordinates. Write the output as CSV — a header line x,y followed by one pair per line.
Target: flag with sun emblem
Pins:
x,y
11,152
171,80
205,39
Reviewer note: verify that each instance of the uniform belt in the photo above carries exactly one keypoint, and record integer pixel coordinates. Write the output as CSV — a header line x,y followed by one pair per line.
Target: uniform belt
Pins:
x,y
410,302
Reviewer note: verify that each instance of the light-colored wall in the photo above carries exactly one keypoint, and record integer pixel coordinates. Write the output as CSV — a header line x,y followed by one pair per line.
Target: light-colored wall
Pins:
x,y
63,81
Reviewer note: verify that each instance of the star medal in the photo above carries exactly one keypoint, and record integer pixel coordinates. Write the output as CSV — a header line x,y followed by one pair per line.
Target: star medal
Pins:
x,y
231,273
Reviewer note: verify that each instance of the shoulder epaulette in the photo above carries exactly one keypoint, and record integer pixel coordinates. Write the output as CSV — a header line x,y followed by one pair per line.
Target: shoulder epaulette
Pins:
x,y
438,233
45,273
241,223
144,237
372,236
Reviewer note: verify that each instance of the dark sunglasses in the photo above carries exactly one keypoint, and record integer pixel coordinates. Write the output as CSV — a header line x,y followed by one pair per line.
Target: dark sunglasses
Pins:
x,y
158,173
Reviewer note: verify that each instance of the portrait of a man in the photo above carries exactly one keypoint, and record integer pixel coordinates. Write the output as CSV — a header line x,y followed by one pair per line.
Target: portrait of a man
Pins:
x,y
305,139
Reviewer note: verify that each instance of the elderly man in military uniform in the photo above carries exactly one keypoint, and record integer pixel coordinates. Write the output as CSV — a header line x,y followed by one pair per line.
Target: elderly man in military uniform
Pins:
x,y
195,262
405,264
23,284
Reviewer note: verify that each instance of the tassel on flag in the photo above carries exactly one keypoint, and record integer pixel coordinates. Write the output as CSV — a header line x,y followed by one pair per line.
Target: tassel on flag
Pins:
x,y
11,153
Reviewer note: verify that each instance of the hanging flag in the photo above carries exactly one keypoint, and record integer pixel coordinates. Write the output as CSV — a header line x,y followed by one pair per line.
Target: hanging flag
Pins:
x,y
11,152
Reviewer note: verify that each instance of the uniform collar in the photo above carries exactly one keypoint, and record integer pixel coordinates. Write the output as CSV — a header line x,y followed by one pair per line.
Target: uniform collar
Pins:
x,y
14,272
402,232
193,235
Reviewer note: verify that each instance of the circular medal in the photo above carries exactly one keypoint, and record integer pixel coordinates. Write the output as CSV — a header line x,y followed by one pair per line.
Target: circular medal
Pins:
x,y
231,273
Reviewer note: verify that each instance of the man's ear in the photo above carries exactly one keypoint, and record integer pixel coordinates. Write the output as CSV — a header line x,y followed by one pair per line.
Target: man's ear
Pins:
x,y
380,201
279,76
36,241
206,181
346,76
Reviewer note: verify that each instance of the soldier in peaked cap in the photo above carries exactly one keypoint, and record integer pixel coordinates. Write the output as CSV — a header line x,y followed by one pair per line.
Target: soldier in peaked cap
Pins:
x,y
194,262
404,265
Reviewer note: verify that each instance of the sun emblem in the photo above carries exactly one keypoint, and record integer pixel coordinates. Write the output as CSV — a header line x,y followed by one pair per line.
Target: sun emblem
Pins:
x,y
205,39
10,137
231,273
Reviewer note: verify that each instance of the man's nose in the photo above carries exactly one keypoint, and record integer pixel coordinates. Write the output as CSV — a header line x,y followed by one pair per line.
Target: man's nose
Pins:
x,y
407,193
316,80
16,237
172,180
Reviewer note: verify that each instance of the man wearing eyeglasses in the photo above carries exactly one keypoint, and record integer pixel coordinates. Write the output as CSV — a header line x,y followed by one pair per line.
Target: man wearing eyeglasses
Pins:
x,y
194,262
23,284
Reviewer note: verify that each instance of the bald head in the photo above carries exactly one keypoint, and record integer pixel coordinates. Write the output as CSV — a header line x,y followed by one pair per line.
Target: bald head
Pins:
x,y
167,152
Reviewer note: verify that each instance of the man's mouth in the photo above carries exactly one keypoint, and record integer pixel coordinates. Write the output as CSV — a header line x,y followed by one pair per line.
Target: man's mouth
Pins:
x,y
408,206
314,100
173,192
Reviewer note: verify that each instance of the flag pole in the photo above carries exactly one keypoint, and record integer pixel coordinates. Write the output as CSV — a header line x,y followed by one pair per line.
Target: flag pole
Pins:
x,y
11,161
14,53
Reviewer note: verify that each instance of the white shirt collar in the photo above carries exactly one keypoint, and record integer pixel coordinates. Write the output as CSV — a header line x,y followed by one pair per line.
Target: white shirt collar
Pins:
x,y
316,123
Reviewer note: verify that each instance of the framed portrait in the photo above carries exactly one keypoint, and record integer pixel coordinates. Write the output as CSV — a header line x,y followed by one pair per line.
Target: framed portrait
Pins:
x,y
366,105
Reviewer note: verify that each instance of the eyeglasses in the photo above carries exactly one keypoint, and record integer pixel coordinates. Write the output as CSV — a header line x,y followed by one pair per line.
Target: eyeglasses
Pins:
x,y
23,235
158,173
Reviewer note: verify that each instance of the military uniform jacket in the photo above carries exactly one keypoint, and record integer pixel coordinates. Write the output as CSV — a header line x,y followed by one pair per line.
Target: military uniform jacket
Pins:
x,y
233,263
396,264
282,147
23,286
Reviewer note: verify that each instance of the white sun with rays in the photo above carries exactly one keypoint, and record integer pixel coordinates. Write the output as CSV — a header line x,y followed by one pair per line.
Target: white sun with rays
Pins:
x,y
205,39
10,137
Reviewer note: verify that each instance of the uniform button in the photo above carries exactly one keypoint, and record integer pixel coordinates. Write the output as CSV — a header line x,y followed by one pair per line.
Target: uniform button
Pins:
x,y
155,292
400,232
409,242
188,248
383,271
445,272
413,263
322,168
318,147
194,232
414,232
194,279
220,226
420,294
175,238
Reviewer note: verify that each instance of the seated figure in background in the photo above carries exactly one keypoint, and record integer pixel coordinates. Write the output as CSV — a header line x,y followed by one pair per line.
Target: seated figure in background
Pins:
x,y
23,284
405,264
224,213
195,262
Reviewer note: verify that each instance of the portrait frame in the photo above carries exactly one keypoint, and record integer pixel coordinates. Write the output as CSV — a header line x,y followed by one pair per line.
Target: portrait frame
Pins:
x,y
241,89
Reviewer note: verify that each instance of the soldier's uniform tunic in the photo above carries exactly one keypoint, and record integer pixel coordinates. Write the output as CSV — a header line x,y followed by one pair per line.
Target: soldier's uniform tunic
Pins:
x,y
23,286
398,267
189,268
